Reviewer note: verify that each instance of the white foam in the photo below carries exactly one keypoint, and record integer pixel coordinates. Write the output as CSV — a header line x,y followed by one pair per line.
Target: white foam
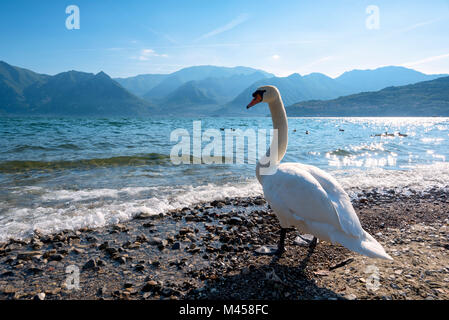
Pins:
x,y
419,178
76,213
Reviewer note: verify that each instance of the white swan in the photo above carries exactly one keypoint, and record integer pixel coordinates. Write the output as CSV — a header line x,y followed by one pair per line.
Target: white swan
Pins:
x,y
306,197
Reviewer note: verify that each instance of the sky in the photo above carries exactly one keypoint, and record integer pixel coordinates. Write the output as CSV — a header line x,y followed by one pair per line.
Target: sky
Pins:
x,y
127,38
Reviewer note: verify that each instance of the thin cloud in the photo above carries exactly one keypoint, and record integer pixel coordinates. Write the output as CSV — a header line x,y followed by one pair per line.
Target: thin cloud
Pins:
x,y
163,35
426,60
418,25
146,54
231,25
319,61
413,27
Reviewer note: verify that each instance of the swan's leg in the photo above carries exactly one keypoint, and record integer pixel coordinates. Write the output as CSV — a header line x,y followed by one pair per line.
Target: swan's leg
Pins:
x,y
272,249
312,244
281,245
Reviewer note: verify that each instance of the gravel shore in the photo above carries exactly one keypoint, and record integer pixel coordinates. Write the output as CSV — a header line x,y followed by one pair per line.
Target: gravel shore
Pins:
x,y
208,252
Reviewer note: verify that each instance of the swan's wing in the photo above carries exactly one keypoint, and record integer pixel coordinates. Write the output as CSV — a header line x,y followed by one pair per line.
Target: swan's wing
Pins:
x,y
294,193
340,200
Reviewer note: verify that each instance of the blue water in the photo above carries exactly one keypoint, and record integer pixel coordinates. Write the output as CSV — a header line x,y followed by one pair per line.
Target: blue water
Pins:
x,y
69,173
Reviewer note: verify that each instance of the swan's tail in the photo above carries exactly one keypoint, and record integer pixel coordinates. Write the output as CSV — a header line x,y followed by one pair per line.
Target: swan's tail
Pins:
x,y
367,246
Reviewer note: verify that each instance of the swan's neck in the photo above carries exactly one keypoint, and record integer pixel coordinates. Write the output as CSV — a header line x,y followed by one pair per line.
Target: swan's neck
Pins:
x,y
279,118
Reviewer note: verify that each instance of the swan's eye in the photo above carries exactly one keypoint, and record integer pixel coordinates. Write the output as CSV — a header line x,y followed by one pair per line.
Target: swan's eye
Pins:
x,y
259,93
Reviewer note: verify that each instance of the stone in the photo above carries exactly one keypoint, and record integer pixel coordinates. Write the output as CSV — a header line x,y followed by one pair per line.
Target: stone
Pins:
x,y
151,286
143,215
155,241
28,255
91,264
55,257
39,296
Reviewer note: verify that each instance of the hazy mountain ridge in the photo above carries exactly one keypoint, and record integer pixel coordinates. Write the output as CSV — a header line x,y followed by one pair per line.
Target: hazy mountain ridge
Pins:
x,y
70,93
221,83
380,78
317,86
196,91
427,98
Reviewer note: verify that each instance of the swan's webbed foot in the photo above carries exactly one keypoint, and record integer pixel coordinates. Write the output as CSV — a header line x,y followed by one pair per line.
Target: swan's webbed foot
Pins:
x,y
269,250
274,250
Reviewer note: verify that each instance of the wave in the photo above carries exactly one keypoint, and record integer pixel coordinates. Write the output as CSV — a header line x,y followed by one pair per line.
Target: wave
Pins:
x,y
111,206
17,166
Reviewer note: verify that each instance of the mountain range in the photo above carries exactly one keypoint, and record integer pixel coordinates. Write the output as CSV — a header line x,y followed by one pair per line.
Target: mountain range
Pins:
x,y
204,91
71,93
427,98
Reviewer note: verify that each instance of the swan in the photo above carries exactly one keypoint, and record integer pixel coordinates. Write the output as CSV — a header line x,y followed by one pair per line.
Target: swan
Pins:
x,y
306,197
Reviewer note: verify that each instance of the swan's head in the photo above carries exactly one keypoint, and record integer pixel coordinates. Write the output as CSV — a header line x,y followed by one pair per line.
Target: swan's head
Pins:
x,y
264,94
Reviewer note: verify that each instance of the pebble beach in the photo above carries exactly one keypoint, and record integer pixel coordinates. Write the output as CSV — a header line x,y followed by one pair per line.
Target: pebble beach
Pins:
x,y
207,251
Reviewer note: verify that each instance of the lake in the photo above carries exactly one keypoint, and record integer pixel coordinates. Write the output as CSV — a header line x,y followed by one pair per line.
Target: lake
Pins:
x,y
68,173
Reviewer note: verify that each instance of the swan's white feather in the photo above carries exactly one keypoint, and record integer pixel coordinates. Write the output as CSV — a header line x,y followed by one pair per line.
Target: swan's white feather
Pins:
x,y
311,200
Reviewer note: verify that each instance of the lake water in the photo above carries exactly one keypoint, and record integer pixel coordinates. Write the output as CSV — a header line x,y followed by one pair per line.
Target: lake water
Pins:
x,y
69,173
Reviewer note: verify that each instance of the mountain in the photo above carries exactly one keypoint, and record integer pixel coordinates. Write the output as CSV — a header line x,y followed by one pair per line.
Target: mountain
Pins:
x,y
231,80
316,86
293,88
188,94
69,93
218,91
377,79
427,98
139,85
13,81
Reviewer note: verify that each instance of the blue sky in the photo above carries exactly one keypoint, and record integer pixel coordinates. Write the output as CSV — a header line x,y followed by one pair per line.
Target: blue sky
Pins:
x,y
126,38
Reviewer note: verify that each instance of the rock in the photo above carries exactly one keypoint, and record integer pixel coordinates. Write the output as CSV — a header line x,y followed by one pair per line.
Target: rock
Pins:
x,y
91,264
143,215
235,221
9,289
176,246
341,264
77,251
155,241
148,225
185,231
101,291
55,257
322,273
156,263
139,267
304,240
351,296
39,296
7,274
28,255
151,286
121,259
34,270
120,227
111,251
